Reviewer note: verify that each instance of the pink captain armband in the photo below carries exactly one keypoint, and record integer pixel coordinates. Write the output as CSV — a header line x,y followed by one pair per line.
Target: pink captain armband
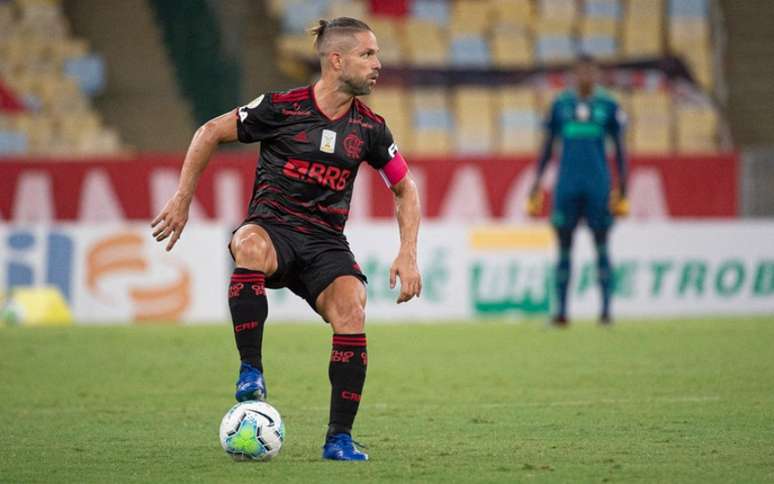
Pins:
x,y
394,171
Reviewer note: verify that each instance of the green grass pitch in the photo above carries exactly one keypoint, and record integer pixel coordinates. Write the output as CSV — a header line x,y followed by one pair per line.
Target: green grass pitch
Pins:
x,y
661,401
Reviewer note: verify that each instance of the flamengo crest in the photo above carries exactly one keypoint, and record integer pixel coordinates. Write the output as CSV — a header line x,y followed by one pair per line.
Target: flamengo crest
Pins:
x,y
352,145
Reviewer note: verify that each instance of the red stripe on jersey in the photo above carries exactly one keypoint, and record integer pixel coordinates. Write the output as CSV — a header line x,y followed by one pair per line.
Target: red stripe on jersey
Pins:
x,y
294,95
282,222
366,111
308,218
323,208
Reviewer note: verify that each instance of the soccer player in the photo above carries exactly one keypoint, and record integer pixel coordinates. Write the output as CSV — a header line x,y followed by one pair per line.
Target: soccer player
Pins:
x,y
313,141
583,118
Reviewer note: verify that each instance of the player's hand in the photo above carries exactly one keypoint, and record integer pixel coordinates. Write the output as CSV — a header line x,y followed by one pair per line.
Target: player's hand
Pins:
x,y
535,202
171,221
619,204
405,268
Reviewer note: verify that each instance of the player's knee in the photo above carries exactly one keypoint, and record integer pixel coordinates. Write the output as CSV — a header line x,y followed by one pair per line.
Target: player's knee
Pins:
x,y
252,251
349,318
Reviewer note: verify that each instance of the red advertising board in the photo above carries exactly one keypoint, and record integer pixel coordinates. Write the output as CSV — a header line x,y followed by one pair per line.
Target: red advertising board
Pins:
x,y
468,189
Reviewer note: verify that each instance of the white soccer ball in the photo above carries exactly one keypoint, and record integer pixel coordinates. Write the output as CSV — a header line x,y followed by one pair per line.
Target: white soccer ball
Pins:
x,y
252,430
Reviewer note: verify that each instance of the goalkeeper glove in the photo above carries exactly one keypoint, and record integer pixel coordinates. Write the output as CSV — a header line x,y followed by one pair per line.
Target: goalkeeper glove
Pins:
x,y
535,203
619,205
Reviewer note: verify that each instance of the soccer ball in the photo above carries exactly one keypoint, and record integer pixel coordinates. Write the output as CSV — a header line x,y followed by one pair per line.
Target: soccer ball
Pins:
x,y
252,430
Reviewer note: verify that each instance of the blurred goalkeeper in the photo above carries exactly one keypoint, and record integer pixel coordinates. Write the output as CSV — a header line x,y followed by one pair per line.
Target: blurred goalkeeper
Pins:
x,y
313,141
583,118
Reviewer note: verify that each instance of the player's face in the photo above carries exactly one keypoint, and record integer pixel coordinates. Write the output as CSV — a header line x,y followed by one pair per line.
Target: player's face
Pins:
x,y
361,65
586,75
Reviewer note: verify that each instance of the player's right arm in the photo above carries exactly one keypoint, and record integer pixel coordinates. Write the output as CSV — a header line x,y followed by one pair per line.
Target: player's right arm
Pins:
x,y
616,129
535,202
170,222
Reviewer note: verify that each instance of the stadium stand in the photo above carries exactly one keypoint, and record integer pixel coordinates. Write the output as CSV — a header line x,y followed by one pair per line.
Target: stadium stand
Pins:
x,y
49,76
519,123
518,47
460,76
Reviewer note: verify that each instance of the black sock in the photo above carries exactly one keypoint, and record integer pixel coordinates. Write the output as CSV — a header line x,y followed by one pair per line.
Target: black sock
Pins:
x,y
347,372
247,301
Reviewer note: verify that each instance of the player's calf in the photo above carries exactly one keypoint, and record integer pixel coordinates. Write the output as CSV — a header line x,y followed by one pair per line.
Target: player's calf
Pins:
x,y
249,308
347,373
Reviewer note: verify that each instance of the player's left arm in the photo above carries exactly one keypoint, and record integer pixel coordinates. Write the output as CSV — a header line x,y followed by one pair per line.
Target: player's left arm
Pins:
x,y
617,128
617,131
384,156
404,266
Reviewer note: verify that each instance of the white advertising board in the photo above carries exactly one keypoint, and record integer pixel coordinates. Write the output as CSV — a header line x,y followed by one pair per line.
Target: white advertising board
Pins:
x,y
118,274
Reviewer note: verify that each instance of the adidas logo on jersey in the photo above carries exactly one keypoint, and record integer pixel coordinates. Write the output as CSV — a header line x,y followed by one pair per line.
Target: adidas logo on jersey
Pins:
x,y
301,137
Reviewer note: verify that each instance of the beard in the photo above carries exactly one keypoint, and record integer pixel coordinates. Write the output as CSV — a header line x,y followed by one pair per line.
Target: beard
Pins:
x,y
356,87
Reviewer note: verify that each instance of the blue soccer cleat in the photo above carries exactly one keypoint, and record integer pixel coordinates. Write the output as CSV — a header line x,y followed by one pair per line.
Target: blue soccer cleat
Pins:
x,y
342,447
250,385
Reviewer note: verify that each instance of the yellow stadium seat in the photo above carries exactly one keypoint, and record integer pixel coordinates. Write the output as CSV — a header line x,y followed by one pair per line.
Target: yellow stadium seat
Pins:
x,y
392,104
558,9
651,135
651,124
72,125
426,43
295,45
474,120
59,93
642,29
511,48
62,50
517,98
348,8
387,99
645,9
98,142
555,26
641,41
431,142
513,13
688,32
32,53
522,142
39,130
650,102
470,16
697,129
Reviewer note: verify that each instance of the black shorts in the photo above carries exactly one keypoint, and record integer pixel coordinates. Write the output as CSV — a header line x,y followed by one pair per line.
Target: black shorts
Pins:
x,y
307,263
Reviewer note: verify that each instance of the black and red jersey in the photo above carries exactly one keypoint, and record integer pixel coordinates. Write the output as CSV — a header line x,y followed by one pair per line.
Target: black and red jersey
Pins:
x,y
308,162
